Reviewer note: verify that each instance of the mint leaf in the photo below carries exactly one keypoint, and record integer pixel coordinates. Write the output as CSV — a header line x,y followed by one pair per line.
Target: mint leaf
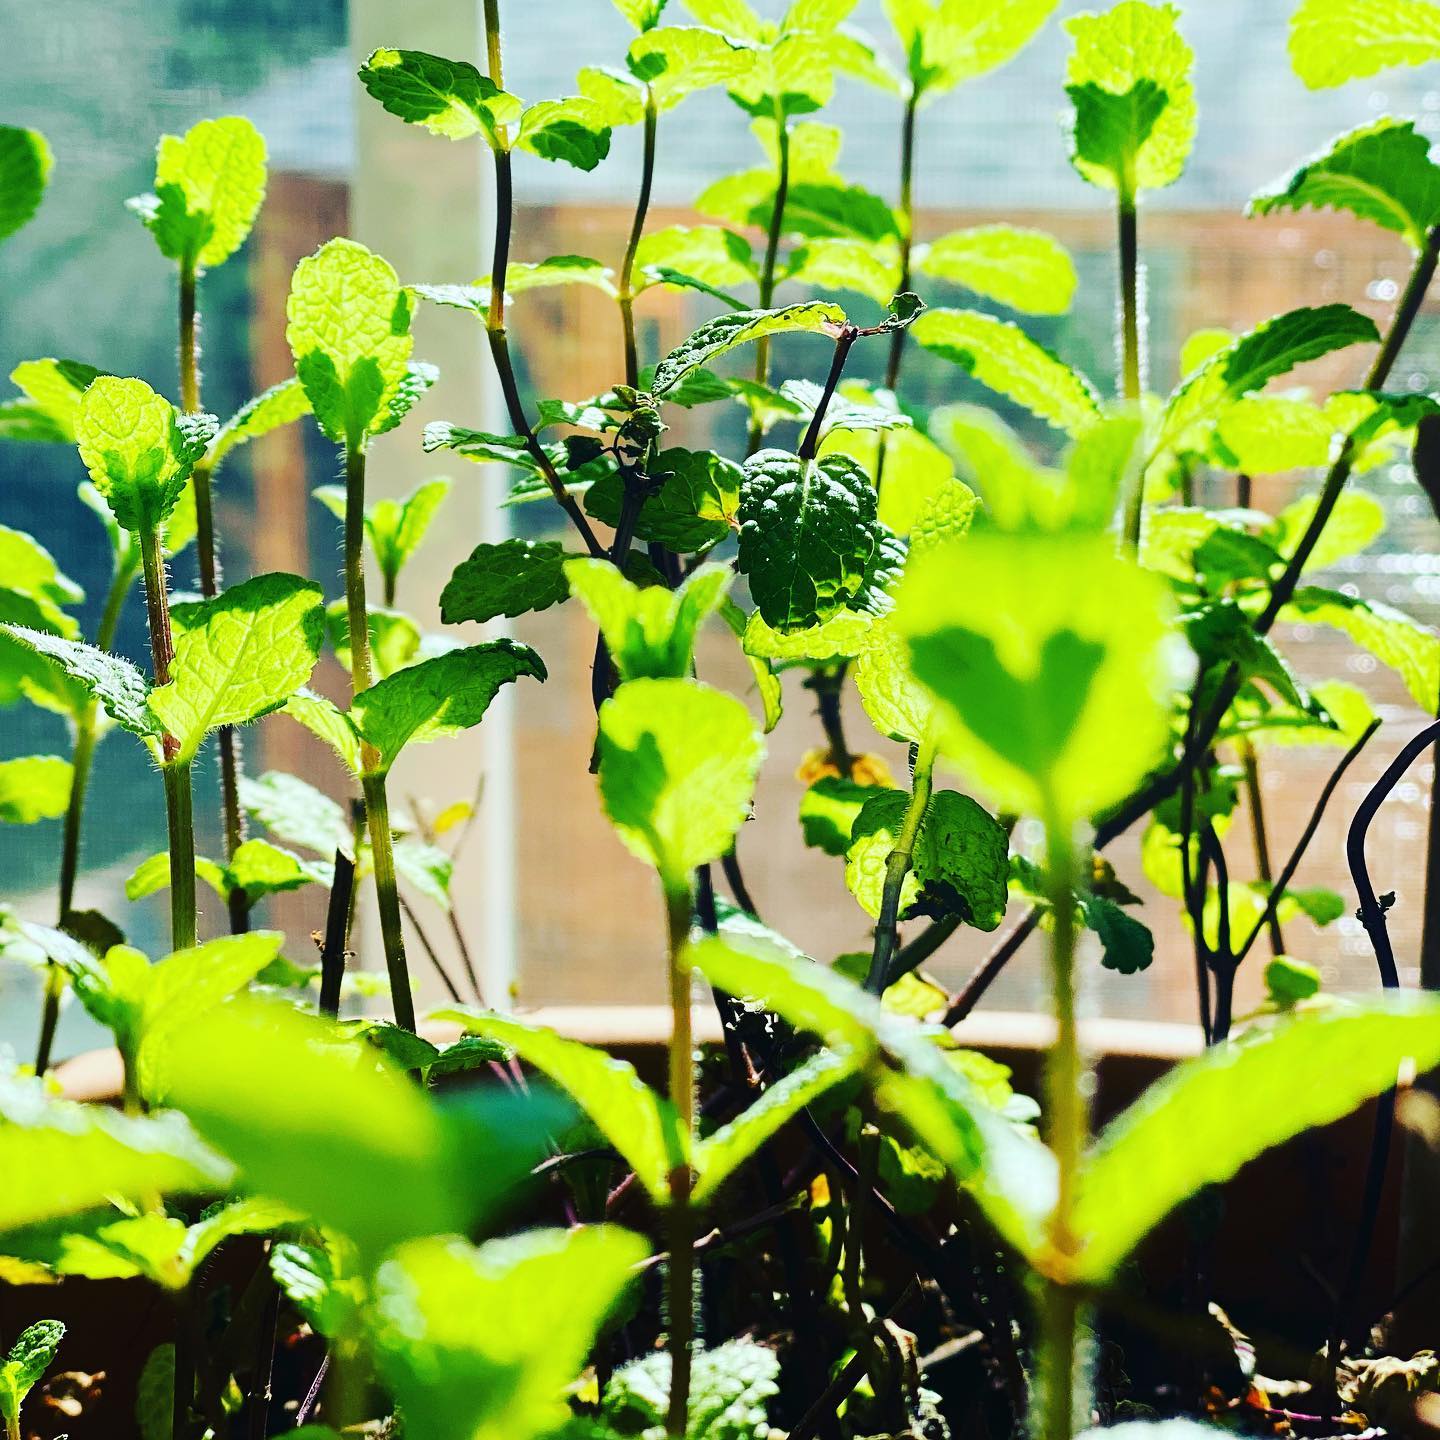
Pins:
x,y
349,330
648,631
1251,361
1381,172
807,534
523,275
640,1124
1333,41
1129,76
511,578
394,528
34,787
323,1121
1003,358
53,389
79,1156
1126,945
678,763
727,331
696,506
326,721
296,811
484,1342
28,1360
1409,648
709,254
1053,665
961,864
240,656
573,130
438,697
208,187
897,704
25,162
725,1149
114,682
1200,1123
138,449
277,406
450,98
1025,269
948,45
676,61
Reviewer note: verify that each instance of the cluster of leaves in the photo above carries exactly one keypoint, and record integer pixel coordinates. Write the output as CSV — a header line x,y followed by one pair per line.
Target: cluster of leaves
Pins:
x,y
1082,643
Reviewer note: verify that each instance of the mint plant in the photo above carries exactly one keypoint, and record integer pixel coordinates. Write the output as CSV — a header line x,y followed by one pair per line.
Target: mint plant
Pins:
x,y
786,1237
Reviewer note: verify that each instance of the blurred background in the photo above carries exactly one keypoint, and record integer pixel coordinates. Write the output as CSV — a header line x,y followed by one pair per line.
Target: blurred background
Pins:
x,y
546,903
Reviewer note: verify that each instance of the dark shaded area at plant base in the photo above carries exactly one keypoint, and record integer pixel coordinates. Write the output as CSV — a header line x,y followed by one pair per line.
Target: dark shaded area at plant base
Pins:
x,y
1278,1232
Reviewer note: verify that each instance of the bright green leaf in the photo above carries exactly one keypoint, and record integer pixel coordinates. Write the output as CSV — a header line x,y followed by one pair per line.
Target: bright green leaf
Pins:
x,y
1200,1123
1003,358
438,697
138,448
448,97
240,656
1133,57
640,1124
1051,661
349,330
678,762
34,787
209,183
1025,269
1381,172
482,1343
1333,41
725,332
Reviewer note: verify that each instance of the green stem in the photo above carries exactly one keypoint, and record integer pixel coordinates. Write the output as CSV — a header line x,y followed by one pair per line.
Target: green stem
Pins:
x,y
767,268
175,771
1259,834
180,820
907,228
81,761
372,779
12,1426
382,859
637,230
1065,1105
897,867
679,1218
357,615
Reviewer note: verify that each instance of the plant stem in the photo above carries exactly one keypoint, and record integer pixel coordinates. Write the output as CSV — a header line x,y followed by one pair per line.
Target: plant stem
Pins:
x,y
1065,1105
372,780
897,867
180,819
1259,835
176,772
637,229
907,226
207,557
846,338
337,927
679,1220
767,268
382,860
1131,380
495,317
357,613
